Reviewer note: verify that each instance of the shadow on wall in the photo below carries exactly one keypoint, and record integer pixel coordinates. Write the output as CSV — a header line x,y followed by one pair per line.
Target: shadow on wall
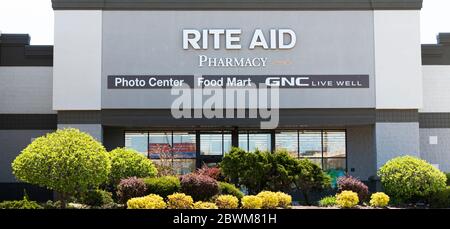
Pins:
x,y
16,191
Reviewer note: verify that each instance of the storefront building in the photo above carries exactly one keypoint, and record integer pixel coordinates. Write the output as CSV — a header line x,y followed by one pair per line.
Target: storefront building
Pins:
x,y
356,86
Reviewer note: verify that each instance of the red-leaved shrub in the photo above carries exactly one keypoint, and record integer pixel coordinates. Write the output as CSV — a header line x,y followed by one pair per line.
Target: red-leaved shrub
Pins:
x,y
212,172
349,183
129,188
200,187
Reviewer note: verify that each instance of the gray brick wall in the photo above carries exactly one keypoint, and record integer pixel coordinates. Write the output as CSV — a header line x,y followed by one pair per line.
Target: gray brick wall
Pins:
x,y
396,139
26,90
361,154
438,154
12,142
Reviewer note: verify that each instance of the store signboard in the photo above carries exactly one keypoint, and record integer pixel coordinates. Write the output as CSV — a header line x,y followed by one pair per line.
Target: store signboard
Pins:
x,y
237,81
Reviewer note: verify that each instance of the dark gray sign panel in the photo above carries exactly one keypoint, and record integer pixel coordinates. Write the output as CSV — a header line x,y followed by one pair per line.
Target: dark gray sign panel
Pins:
x,y
149,81
286,81
238,81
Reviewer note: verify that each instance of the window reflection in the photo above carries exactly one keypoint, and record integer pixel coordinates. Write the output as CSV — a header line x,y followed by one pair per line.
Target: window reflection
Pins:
x,y
333,144
184,145
255,141
287,141
215,143
137,141
310,143
160,145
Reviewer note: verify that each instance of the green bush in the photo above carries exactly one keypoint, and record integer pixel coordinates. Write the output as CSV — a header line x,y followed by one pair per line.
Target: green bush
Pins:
x,y
379,200
251,202
441,199
448,178
205,205
269,199
409,178
284,200
309,177
163,186
179,201
151,201
328,201
50,204
129,163
67,161
20,204
230,189
96,198
259,170
227,202
347,199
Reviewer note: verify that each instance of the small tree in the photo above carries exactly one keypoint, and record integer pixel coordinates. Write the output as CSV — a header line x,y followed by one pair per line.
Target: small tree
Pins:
x,y
310,177
246,169
129,163
67,161
259,171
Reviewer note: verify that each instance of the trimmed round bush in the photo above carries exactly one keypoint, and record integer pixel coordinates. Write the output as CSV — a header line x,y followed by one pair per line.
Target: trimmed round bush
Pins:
x,y
229,189
180,201
251,202
97,198
129,188
151,201
200,187
379,200
328,201
406,178
347,199
129,163
205,205
269,199
67,161
284,200
163,186
227,202
349,183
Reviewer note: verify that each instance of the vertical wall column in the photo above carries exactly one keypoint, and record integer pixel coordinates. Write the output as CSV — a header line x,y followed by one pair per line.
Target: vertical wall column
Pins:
x,y
396,139
78,60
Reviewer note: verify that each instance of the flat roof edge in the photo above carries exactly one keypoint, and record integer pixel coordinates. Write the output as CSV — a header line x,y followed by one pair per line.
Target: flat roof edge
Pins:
x,y
237,5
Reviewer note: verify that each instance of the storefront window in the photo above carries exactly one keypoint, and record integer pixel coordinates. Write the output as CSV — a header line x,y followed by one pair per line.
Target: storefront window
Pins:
x,y
255,141
215,144
310,144
160,145
333,144
287,141
243,141
184,145
137,141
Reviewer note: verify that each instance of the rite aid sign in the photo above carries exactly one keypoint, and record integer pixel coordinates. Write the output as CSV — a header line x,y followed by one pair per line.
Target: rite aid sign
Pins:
x,y
206,39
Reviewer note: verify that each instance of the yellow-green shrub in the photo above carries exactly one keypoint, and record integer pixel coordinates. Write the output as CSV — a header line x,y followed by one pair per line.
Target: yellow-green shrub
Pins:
x,y
151,201
379,200
251,202
347,199
284,200
227,202
269,199
179,201
204,205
